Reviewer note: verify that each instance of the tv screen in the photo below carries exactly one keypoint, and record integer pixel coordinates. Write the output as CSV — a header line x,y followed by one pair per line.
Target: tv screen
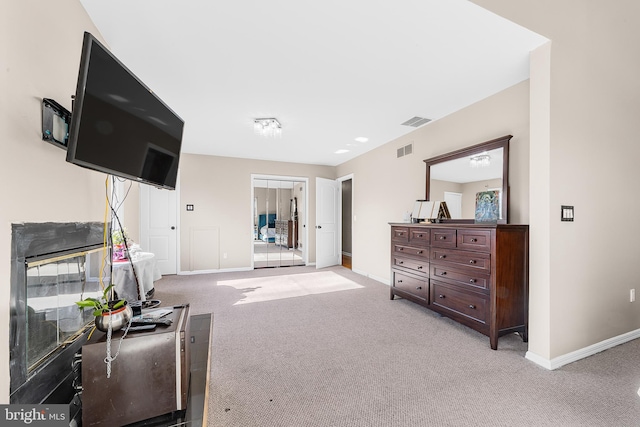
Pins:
x,y
118,125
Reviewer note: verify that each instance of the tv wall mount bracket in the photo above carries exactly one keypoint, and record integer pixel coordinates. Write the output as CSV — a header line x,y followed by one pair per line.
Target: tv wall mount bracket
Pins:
x,y
55,123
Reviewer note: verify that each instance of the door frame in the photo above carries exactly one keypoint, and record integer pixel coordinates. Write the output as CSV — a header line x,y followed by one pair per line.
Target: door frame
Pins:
x,y
305,229
341,228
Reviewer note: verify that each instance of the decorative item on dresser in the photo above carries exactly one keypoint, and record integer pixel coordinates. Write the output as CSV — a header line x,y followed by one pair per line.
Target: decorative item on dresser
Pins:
x,y
476,274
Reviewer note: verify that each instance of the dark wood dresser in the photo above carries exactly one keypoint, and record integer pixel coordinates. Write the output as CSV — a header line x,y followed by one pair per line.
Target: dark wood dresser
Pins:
x,y
287,233
476,274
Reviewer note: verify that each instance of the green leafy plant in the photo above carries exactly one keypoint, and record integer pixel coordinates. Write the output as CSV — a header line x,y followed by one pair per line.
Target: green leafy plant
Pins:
x,y
118,237
101,305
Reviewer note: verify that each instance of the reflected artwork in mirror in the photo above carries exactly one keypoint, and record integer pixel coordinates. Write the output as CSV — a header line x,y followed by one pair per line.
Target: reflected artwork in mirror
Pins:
x,y
459,178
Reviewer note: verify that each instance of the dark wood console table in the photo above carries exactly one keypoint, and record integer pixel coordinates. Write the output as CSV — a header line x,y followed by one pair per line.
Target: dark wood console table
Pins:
x,y
198,336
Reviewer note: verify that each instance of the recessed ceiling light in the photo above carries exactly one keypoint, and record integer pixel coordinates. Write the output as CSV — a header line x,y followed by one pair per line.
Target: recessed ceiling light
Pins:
x,y
362,139
341,151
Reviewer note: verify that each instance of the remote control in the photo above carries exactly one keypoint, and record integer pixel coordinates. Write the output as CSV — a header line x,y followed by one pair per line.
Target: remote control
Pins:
x,y
142,328
147,321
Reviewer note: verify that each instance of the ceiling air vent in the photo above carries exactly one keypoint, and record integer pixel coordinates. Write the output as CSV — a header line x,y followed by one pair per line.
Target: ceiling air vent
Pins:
x,y
405,151
416,122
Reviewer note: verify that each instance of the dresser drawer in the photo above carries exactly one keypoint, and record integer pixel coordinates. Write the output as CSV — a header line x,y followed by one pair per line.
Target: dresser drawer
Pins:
x,y
467,276
457,300
419,236
400,234
477,260
477,240
412,251
417,287
443,238
418,266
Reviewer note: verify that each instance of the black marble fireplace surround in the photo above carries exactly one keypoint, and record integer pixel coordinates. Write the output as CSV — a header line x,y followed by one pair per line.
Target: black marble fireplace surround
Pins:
x,y
51,380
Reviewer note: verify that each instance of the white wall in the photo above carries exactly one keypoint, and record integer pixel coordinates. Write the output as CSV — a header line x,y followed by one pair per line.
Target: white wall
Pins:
x,y
220,190
385,187
584,151
40,44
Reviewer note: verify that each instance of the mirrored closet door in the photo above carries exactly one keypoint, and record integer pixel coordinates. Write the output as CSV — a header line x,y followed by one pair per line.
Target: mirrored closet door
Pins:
x,y
278,222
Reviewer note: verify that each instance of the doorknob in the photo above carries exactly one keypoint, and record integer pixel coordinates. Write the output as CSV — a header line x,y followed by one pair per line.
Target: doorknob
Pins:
x,y
318,226
173,228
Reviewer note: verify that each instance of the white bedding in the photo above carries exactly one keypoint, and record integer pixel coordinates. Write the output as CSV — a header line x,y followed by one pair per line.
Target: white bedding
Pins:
x,y
267,232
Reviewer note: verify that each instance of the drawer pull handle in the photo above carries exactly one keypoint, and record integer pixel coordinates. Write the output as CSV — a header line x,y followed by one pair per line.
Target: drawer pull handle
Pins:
x,y
472,261
400,262
419,267
419,235
419,287
472,306
443,256
419,252
399,281
401,249
440,296
474,240
443,237
472,280
444,273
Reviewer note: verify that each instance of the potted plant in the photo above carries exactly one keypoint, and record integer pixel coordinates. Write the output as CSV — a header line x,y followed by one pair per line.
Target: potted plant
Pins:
x,y
116,313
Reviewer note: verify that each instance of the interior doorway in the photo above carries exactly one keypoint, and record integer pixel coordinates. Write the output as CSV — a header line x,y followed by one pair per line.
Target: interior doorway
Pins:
x,y
279,217
454,204
347,217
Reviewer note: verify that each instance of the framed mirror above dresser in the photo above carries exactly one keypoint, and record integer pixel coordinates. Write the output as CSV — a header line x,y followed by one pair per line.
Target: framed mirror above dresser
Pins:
x,y
457,177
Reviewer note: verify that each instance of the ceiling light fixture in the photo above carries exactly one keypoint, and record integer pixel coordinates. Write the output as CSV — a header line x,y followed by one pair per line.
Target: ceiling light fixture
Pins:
x,y
362,139
268,127
480,160
342,151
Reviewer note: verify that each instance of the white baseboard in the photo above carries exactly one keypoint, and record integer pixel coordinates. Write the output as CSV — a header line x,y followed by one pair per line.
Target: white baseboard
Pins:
x,y
371,276
221,270
574,356
379,279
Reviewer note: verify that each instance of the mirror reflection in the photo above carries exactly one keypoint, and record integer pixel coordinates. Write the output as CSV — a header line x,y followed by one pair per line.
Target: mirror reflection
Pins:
x,y
53,287
458,182
473,181
278,217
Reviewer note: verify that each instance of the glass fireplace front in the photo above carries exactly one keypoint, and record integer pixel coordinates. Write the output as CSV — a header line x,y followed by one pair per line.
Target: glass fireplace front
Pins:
x,y
53,265
53,287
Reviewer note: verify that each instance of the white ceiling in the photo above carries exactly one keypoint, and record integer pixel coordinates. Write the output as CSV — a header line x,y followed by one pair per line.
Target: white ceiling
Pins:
x,y
329,71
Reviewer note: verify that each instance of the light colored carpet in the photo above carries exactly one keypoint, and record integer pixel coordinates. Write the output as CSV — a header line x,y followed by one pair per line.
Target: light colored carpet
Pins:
x,y
303,347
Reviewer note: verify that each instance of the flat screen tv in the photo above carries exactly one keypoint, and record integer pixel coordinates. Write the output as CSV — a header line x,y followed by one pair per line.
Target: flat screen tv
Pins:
x,y
118,125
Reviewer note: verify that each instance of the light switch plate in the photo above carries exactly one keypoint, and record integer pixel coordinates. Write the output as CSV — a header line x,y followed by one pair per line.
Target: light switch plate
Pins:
x,y
566,213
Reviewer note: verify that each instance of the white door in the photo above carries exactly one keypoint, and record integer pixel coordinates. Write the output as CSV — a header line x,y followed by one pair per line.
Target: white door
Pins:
x,y
454,204
159,226
327,223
